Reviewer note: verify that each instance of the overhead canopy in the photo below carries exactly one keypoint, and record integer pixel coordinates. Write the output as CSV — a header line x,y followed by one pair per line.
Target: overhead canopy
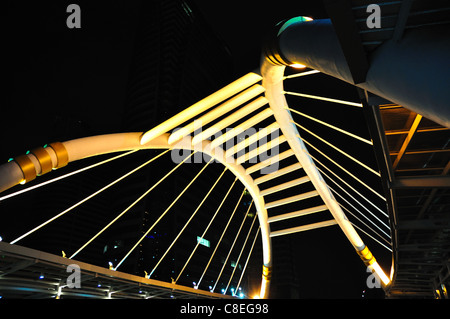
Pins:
x,y
410,70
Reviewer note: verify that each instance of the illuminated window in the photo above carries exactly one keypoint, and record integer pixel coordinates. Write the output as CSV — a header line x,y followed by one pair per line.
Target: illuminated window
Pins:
x,y
203,241
233,265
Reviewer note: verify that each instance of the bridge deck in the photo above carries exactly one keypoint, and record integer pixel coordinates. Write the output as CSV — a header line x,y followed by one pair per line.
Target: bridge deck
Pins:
x,y
22,267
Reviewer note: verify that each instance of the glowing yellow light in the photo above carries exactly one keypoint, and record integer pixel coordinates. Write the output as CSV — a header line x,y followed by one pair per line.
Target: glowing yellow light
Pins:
x,y
297,66
444,291
376,267
392,272
201,106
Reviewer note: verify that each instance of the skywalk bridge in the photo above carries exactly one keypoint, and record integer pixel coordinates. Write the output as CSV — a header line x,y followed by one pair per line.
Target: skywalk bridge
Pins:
x,y
388,185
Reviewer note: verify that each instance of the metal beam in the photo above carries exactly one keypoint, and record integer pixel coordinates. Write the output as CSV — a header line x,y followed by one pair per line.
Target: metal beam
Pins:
x,y
18,266
421,130
408,138
402,19
303,228
292,199
426,224
340,13
381,150
283,186
424,151
439,181
298,213
410,293
278,173
60,263
425,169
423,248
271,160
201,106
429,199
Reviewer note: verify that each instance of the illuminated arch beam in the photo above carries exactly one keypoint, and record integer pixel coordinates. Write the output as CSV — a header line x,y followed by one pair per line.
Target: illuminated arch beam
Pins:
x,y
82,148
273,76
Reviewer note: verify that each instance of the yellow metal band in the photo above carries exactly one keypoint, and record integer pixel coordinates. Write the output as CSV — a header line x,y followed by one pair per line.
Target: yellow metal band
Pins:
x,y
267,272
44,160
61,154
27,167
366,256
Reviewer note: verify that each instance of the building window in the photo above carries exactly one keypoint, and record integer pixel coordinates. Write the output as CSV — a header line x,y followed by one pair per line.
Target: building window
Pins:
x,y
203,241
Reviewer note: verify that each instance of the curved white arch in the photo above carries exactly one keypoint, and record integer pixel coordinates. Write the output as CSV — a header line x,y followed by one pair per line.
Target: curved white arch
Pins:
x,y
273,76
82,148
40,161
273,82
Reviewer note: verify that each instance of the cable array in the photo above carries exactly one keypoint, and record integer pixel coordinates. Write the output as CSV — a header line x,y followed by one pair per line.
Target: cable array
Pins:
x,y
326,142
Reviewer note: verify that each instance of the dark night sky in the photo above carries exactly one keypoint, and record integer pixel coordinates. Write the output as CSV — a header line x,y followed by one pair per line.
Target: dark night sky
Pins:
x,y
55,72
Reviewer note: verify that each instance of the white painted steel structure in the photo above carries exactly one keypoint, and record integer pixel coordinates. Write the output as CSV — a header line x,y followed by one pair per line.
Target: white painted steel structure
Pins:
x,y
244,104
259,97
224,101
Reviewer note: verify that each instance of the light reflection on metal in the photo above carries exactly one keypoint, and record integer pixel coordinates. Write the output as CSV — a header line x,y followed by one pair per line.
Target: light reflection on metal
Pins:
x,y
297,66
